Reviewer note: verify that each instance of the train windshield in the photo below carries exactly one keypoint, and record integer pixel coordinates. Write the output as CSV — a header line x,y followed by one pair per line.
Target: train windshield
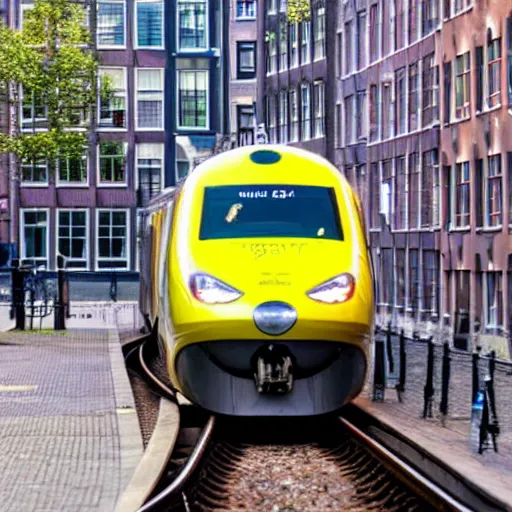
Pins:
x,y
270,211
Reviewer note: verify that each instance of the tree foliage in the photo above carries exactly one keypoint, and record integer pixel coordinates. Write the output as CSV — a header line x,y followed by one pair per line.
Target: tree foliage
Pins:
x,y
51,64
299,10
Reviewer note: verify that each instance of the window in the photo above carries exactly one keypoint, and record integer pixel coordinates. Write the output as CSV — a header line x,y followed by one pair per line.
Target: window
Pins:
x,y
193,99
150,99
400,194
386,190
34,173
192,23
319,33
494,73
112,166
34,113
302,211
150,165
374,113
294,116
306,112
401,100
479,184
509,59
294,45
431,280
246,60
429,167
111,28
246,8
349,47
447,111
283,117
113,110
414,280
413,21
350,119
388,111
462,86
388,285
413,97
272,56
245,117
430,105
72,237
34,237
305,43
494,192
462,195
112,239
375,196
414,191
72,171
361,39
494,303
375,31
271,118
338,127
149,25
430,16
339,54
400,30
319,99
400,277
479,71
361,115
283,45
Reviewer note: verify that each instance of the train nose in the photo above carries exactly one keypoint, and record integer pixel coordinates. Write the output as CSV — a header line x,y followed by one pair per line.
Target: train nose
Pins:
x,y
274,318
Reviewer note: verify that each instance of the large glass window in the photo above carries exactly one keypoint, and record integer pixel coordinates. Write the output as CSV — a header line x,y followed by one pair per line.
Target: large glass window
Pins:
x,y
149,169
401,99
283,117
150,99
34,173
72,171
414,190
112,243
246,60
34,237
494,191
252,211
246,8
462,195
73,232
494,72
306,111
305,43
430,106
294,45
319,32
462,86
113,109
294,116
192,22
112,159
150,23
34,113
319,99
111,27
193,99
494,313
413,97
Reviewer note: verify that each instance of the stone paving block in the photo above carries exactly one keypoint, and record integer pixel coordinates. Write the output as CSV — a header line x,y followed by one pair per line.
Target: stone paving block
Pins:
x,y
63,444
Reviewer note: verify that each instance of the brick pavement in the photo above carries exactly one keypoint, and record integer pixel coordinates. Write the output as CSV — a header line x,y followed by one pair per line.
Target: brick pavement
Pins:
x,y
69,434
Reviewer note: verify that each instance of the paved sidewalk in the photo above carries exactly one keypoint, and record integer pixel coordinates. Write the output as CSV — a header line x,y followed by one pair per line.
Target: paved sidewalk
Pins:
x,y
490,471
69,434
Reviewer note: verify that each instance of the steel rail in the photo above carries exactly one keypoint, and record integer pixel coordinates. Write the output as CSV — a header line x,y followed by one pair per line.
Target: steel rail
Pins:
x,y
406,473
168,391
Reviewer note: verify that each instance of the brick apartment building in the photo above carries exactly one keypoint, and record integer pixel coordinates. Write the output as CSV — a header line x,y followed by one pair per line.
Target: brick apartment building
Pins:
x,y
422,105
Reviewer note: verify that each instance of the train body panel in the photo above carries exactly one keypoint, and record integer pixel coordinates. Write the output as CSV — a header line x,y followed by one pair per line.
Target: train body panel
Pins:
x,y
263,252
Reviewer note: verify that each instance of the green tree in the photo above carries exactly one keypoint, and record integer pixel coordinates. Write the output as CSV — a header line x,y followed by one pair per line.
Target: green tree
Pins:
x,y
298,10
51,63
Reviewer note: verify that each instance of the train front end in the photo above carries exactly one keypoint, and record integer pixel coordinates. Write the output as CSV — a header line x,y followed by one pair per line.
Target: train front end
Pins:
x,y
270,286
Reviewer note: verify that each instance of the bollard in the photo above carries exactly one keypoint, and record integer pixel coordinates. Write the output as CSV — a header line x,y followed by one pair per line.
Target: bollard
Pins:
x,y
400,387
59,323
429,385
18,294
476,377
445,386
379,376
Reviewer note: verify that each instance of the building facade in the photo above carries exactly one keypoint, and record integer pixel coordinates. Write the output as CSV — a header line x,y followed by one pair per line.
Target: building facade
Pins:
x,y
166,63
292,94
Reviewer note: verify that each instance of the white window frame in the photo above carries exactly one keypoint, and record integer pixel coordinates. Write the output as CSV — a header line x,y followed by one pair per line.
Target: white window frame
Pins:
x,y
136,45
87,237
494,325
109,184
100,128
307,43
97,245
245,17
307,87
207,27
136,170
23,247
294,121
32,119
162,92
112,46
193,128
33,184
72,184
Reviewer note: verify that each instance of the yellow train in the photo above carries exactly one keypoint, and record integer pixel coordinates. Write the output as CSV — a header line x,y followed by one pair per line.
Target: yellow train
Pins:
x,y
257,282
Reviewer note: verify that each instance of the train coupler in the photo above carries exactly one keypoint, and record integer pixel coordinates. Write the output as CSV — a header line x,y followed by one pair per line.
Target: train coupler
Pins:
x,y
273,370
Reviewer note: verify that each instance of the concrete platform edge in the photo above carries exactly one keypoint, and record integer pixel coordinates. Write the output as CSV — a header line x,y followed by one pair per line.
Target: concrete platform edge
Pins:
x,y
130,436
154,460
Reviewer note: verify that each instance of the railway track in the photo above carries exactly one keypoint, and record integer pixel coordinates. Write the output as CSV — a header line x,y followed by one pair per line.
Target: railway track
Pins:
x,y
328,463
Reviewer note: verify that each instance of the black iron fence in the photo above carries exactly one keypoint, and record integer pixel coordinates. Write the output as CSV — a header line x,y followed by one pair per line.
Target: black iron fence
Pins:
x,y
437,382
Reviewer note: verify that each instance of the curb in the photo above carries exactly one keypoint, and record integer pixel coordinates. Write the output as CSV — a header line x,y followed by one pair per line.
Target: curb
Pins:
x,y
154,458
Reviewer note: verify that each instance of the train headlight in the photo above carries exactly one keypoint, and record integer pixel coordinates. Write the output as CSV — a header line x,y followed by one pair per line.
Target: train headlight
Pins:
x,y
210,290
335,291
